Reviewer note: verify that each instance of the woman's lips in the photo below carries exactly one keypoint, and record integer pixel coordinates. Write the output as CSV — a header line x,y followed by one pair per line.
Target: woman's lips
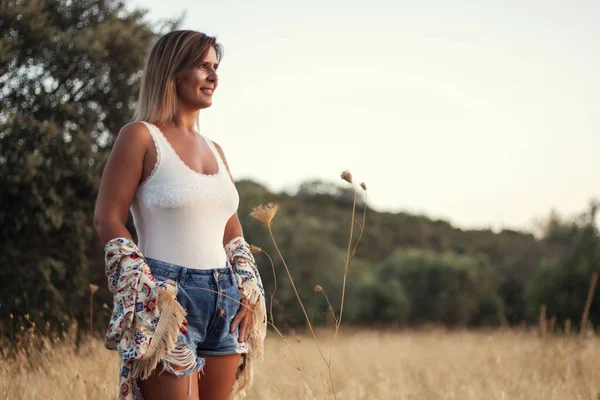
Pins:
x,y
208,91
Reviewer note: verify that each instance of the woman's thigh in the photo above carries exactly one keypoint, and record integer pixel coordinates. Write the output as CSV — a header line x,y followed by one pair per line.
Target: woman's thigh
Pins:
x,y
167,386
217,376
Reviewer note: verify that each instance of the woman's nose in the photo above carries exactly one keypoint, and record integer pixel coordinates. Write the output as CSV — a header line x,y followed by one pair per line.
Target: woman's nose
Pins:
x,y
212,76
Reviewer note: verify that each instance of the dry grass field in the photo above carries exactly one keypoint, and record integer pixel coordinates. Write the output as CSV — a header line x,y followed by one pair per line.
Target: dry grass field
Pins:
x,y
368,364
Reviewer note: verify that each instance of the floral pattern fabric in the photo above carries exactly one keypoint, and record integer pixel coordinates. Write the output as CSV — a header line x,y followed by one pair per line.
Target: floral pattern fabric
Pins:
x,y
137,310
250,285
240,256
135,313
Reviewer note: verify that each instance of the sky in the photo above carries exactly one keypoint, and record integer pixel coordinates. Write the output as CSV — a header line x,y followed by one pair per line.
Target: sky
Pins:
x,y
485,114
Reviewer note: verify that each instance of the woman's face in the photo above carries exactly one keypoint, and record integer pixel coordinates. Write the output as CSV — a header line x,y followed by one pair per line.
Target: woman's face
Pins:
x,y
196,87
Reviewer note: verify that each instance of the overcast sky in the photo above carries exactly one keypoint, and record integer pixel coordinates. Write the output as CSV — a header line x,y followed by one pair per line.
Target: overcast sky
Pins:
x,y
484,115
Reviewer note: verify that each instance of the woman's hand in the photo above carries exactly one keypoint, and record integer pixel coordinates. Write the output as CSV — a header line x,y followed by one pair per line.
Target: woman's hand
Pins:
x,y
242,318
183,328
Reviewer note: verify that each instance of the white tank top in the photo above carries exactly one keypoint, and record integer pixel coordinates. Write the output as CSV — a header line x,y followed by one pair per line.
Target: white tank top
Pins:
x,y
180,214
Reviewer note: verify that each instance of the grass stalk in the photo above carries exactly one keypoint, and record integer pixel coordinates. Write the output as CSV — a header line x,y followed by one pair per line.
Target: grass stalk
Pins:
x,y
588,304
297,366
296,292
339,319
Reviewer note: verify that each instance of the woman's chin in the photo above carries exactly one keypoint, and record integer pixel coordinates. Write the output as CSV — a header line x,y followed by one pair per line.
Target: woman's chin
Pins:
x,y
204,102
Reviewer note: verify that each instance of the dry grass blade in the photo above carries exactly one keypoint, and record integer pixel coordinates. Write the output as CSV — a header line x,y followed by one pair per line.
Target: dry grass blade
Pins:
x,y
266,214
93,289
362,226
256,249
312,331
277,331
588,303
318,288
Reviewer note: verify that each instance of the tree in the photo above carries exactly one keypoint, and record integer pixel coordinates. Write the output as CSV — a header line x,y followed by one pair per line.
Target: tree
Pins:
x,y
561,282
69,73
453,289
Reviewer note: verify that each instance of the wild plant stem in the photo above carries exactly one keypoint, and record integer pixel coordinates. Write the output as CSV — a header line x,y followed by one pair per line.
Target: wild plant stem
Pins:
x,y
274,285
91,312
339,320
276,330
330,306
362,228
297,362
297,295
588,303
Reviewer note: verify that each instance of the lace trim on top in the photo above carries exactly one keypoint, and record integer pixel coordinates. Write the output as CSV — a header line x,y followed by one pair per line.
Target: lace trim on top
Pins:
x,y
213,151
158,157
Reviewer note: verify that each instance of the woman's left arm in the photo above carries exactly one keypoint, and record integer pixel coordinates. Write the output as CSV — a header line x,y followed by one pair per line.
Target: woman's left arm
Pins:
x,y
233,229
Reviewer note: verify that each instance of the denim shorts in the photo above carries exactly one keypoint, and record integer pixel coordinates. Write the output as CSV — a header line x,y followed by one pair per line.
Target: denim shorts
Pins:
x,y
209,314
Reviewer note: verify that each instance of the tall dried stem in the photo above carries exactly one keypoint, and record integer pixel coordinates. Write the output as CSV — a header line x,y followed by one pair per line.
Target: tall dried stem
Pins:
x,y
274,283
297,366
588,303
296,292
320,289
266,214
362,226
93,289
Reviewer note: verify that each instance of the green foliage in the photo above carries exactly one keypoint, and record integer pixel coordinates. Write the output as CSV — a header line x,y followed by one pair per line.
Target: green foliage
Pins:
x,y
384,302
69,76
562,282
445,287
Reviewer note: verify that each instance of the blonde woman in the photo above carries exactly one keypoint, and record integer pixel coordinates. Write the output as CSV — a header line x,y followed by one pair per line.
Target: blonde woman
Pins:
x,y
177,184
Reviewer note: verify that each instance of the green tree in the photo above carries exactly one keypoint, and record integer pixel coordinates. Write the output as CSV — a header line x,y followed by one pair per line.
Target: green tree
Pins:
x,y
452,289
69,74
561,282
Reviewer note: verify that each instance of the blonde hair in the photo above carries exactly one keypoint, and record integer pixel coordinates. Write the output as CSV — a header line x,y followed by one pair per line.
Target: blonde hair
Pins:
x,y
172,55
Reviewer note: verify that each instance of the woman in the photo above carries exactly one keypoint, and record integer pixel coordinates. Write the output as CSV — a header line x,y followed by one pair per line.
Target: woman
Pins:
x,y
184,203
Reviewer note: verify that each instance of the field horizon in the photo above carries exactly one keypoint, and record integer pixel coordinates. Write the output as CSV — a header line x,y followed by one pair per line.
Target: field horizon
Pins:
x,y
429,363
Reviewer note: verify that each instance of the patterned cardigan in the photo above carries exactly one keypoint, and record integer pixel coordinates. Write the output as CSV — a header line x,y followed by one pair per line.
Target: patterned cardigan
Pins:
x,y
146,316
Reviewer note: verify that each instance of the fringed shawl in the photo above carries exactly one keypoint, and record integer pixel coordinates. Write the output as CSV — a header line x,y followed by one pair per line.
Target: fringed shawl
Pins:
x,y
146,317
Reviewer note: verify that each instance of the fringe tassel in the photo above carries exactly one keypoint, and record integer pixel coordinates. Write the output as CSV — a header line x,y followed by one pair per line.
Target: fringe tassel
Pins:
x,y
257,331
165,335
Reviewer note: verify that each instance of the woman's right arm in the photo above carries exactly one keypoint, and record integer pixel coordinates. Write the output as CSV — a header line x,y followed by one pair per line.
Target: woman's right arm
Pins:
x,y
120,180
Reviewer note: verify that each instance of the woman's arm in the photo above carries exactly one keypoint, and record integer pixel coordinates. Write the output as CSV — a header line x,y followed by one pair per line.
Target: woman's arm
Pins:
x,y
233,228
120,179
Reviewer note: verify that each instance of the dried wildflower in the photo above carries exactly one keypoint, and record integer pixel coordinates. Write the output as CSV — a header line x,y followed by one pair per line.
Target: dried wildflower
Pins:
x,y
255,249
94,288
318,288
11,316
347,176
265,213
298,339
363,185
27,316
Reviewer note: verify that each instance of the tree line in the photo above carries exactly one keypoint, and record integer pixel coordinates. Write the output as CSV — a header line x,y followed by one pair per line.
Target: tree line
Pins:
x,y
69,77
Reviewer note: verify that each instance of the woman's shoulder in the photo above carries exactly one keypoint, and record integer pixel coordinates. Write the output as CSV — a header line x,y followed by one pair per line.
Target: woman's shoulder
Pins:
x,y
134,135
136,128
136,131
